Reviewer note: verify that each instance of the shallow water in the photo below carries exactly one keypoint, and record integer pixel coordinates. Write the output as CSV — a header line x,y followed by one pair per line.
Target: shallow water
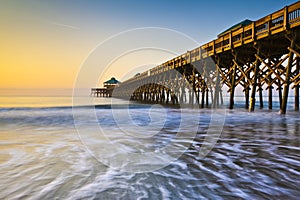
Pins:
x,y
257,155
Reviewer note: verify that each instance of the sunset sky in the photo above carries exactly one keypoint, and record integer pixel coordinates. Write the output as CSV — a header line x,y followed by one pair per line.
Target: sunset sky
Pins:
x,y
44,43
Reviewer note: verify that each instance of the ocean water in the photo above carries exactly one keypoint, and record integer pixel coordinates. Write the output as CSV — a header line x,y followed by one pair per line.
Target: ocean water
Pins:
x,y
50,150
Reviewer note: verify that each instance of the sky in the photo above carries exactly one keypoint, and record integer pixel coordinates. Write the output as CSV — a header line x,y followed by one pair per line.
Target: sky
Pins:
x,y
46,43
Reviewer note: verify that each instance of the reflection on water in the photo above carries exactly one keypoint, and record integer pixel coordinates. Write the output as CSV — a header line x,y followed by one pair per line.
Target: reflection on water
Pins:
x,y
256,157
49,101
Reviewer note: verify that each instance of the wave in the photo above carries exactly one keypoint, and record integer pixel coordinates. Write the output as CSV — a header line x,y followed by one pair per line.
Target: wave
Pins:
x,y
102,106
57,116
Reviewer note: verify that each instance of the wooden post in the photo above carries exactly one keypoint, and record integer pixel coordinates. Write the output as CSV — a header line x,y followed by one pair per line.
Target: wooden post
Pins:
x,y
286,18
217,87
256,70
280,93
182,89
145,92
297,86
177,89
211,94
197,89
190,94
193,95
231,101
182,86
230,39
152,91
157,90
207,90
163,97
149,92
247,95
168,95
270,88
198,95
253,32
287,80
247,90
221,98
270,100
203,95
261,101
193,86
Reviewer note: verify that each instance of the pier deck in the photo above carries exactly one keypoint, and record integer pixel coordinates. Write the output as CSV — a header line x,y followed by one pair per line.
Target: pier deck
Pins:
x,y
255,55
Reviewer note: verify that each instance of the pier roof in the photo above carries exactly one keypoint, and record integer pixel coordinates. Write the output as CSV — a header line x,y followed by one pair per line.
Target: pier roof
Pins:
x,y
238,25
113,80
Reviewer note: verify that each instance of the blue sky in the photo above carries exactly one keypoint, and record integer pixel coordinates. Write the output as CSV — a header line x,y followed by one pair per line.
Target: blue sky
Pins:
x,y
201,20
54,37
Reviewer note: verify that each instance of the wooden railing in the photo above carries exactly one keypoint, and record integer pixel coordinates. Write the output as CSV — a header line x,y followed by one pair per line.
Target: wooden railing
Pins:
x,y
286,18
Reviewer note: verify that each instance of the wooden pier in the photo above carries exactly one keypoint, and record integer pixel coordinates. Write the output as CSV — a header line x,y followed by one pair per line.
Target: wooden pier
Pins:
x,y
99,92
107,90
256,55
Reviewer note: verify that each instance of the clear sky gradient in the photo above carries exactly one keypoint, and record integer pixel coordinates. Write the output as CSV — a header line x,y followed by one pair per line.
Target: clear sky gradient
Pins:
x,y
45,42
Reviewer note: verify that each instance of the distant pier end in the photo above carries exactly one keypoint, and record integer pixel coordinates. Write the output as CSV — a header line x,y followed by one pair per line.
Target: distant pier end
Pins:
x,y
107,90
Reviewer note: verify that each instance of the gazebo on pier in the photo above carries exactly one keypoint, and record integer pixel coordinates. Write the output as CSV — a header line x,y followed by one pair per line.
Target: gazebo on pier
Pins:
x,y
107,91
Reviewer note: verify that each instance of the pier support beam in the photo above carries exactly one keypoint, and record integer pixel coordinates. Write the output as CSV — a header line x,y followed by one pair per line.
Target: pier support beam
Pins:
x,y
217,93
203,95
261,100
297,85
255,77
270,100
270,87
287,80
182,88
221,97
280,93
247,90
190,94
193,86
232,89
211,95
198,96
247,97
168,95
207,104
217,87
